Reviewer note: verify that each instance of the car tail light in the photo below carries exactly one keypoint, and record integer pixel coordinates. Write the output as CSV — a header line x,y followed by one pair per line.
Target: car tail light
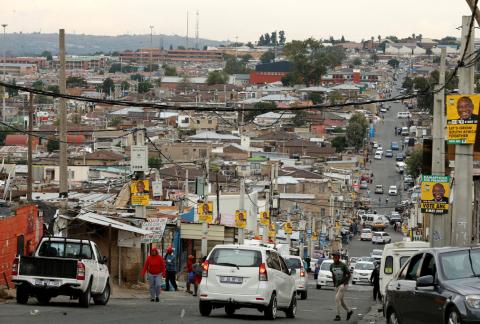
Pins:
x,y
262,273
205,269
302,272
15,269
80,271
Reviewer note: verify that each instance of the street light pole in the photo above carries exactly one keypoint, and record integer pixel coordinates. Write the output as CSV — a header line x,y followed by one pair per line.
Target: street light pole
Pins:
x,y
151,50
4,68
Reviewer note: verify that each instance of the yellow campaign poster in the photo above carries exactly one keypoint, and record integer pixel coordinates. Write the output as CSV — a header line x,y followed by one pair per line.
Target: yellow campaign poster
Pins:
x,y
314,237
462,117
205,212
241,218
435,193
287,228
264,218
140,192
272,231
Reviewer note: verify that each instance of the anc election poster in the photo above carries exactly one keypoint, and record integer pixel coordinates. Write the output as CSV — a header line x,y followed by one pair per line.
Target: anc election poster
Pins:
x,y
264,218
140,192
462,117
205,212
287,227
240,218
272,231
435,193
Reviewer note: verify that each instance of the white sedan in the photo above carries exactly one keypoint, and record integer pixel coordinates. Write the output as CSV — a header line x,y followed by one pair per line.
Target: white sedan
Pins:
x,y
366,234
393,191
378,156
362,272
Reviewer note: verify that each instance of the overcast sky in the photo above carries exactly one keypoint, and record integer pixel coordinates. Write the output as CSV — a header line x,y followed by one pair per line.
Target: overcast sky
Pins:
x,y
247,19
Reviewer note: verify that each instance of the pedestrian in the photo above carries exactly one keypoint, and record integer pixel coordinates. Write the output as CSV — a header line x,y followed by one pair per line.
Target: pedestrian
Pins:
x,y
171,269
375,280
341,277
386,201
190,274
197,270
395,130
155,267
395,227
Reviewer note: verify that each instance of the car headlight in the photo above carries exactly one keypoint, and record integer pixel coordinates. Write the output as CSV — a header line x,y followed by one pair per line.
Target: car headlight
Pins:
x,y
473,301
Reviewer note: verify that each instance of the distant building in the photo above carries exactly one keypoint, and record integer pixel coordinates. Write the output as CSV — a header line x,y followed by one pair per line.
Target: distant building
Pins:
x,y
18,68
40,62
270,72
75,62
144,55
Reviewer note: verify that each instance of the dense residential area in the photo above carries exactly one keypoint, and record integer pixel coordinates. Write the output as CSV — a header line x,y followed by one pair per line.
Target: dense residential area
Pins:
x,y
240,180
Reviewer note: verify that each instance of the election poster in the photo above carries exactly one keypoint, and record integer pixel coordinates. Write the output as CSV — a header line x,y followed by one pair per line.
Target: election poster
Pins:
x,y
288,228
264,218
205,212
462,117
240,218
435,193
272,231
140,192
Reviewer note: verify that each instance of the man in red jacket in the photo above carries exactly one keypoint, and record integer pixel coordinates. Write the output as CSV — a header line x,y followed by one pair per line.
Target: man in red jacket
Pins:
x,y
155,266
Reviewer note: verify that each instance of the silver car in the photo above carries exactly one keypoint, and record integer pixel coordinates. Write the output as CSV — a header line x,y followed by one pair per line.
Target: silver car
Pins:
x,y
295,264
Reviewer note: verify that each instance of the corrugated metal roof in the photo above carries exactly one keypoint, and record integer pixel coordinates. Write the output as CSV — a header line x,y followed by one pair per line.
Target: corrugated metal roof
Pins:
x,y
105,221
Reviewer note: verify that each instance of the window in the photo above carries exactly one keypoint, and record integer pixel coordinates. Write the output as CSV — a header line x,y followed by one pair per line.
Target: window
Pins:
x,y
64,249
412,270
236,257
403,259
284,265
209,121
272,261
428,266
322,212
198,121
293,263
460,264
388,265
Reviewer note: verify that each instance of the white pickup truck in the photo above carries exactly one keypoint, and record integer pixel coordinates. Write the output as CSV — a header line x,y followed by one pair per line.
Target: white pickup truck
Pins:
x,y
62,266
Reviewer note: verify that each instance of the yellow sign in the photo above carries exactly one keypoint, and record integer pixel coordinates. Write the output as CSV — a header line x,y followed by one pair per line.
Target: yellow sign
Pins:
x,y
205,212
435,193
140,192
272,232
314,237
139,187
241,218
264,218
287,228
462,117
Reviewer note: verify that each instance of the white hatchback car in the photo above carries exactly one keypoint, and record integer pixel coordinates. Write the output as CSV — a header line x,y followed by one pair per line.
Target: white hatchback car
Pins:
x,y
362,272
366,234
294,263
241,276
381,238
378,155
325,275
392,190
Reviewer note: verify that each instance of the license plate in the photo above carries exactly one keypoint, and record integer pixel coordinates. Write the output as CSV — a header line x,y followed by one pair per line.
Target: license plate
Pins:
x,y
231,280
49,283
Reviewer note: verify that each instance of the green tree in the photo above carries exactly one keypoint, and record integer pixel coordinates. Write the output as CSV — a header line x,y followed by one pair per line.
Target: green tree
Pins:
x,y
393,63
357,61
38,85
53,145
449,40
281,38
408,84
53,88
335,97
300,118
125,85
273,39
115,121
339,143
415,163
11,91
155,162
245,58
108,86
267,57
232,66
169,70
356,130
261,41
144,87
316,97
75,81
115,67
47,55
217,77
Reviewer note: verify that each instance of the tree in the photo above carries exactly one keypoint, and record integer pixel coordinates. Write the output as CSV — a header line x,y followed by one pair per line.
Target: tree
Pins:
x,y
233,66
115,121
392,38
268,41
53,88
217,77
76,82
414,163
115,67
53,145
300,118
357,61
11,91
108,86
144,86
125,85
393,63
245,58
38,85
335,97
180,47
267,57
316,97
449,40
342,40
291,79
282,39
155,162
261,41
339,143
47,55
356,130
408,85
250,45
273,39
169,70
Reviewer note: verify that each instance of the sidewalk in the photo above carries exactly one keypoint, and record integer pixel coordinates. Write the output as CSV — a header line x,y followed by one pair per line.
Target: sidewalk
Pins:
x,y
373,316
140,291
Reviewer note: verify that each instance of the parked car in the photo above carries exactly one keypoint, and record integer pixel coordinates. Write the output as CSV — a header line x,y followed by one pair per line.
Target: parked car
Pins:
x,y
395,217
63,266
366,234
294,263
437,285
324,275
237,276
362,272
381,238
376,254
399,157
379,189
408,179
389,153
394,146
392,190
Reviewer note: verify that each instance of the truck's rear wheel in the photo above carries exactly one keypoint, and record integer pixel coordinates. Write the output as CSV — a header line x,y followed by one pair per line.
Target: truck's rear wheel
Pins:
x,y
103,298
22,294
85,296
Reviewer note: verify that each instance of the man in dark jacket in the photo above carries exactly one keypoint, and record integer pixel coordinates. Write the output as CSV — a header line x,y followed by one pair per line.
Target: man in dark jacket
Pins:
x,y
375,280
171,269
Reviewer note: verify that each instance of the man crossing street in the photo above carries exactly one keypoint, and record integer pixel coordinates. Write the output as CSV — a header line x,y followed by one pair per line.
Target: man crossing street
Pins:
x,y
341,277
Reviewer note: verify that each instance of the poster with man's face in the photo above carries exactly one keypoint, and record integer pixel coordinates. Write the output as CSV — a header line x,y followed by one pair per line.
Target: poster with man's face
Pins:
x,y
205,212
240,218
435,194
140,192
462,117
264,218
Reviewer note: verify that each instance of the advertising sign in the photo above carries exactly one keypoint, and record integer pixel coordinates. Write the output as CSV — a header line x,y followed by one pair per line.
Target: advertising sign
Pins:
x,y
462,117
240,218
140,192
435,193
157,188
287,228
157,226
139,158
205,212
264,218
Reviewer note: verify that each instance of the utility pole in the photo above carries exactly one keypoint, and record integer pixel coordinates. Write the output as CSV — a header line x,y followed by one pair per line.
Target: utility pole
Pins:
x,y
205,223
151,52
4,71
63,119
462,207
30,148
218,199
265,228
437,222
141,211
241,207
301,236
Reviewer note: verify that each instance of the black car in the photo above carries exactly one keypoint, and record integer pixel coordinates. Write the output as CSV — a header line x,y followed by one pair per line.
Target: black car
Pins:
x,y
439,285
399,157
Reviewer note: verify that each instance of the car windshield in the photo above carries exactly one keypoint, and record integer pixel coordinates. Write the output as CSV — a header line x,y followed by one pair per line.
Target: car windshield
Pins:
x,y
376,234
461,264
377,252
63,249
325,266
366,231
236,257
364,266
293,263
368,259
